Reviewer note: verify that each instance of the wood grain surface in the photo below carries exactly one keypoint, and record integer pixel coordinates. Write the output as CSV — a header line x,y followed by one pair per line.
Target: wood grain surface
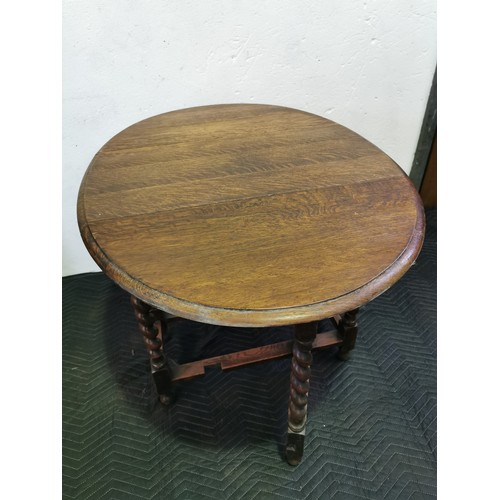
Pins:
x,y
248,215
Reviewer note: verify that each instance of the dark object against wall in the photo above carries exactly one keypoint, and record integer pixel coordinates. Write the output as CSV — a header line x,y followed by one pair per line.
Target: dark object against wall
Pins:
x,y
428,190
426,146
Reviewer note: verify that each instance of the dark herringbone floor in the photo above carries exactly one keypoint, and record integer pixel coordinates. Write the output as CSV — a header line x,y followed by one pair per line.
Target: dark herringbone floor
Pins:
x,y
372,420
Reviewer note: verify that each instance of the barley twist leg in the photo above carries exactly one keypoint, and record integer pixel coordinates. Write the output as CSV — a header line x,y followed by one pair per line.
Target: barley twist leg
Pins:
x,y
348,329
150,326
299,390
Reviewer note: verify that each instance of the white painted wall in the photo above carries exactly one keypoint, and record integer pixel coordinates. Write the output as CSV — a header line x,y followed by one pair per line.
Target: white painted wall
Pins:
x,y
365,64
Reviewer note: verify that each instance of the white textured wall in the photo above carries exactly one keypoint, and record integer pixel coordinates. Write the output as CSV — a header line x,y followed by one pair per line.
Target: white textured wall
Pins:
x,y
366,64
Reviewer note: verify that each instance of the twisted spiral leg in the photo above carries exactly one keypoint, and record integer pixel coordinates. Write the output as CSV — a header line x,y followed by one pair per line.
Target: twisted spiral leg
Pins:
x,y
149,326
348,329
299,390
144,314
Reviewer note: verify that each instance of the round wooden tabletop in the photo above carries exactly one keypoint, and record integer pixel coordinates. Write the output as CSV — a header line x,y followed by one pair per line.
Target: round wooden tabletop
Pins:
x,y
249,215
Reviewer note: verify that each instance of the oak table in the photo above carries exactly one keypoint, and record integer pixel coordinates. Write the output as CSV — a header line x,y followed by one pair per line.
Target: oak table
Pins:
x,y
249,216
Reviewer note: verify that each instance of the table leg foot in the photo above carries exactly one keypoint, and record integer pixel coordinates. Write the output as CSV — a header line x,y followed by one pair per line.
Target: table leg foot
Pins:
x,y
152,329
348,330
164,386
299,390
294,447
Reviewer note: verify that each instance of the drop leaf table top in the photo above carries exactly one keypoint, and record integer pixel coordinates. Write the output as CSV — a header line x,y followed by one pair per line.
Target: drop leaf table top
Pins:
x,y
249,215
